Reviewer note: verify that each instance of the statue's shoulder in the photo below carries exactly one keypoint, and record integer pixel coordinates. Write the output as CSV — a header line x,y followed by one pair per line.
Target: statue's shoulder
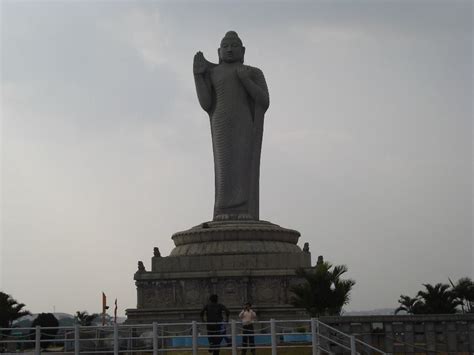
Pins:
x,y
257,73
253,69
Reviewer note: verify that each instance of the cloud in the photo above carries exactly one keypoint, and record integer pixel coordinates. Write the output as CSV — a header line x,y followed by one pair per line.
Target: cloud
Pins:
x,y
387,21
143,30
319,33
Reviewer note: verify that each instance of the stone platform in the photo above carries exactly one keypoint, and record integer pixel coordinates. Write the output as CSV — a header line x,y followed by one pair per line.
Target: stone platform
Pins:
x,y
235,237
237,260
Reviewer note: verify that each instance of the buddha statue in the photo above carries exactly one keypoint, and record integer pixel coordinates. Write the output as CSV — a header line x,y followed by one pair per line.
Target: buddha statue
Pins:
x,y
235,96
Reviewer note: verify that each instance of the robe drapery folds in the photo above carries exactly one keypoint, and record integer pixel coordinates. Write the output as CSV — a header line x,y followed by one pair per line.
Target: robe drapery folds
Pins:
x,y
236,120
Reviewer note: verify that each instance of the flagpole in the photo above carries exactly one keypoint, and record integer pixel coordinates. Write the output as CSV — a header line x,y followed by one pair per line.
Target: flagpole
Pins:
x,y
104,307
115,312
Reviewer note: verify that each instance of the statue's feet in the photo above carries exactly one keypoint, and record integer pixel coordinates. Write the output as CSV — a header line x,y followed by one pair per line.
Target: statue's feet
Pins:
x,y
222,217
233,217
244,217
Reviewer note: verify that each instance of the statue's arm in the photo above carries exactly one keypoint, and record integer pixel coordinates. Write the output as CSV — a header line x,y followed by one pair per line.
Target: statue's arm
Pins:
x,y
255,84
203,89
201,70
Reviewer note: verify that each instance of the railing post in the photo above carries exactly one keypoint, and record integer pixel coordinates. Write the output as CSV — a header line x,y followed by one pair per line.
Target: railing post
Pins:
x,y
163,342
77,348
353,345
274,337
315,336
155,338
195,338
38,340
116,339
233,332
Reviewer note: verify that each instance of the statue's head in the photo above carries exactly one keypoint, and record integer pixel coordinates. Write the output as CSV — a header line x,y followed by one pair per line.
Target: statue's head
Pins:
x,y
231,49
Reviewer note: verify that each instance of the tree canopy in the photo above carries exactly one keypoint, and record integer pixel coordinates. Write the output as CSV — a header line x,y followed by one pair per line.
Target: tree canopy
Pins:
x,y
464,292
440,299
85,319
46,320
410,305
10,310
323,292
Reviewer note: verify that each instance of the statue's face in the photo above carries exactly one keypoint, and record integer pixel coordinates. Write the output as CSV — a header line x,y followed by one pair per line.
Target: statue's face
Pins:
x,y
231,51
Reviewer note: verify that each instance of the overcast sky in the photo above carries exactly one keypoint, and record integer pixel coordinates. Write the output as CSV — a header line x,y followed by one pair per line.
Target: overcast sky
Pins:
x,y
106,152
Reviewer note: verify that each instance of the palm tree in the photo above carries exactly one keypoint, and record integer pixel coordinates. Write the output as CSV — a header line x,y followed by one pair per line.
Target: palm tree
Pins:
x,y
10,310
323,292
439,299
85,319
464,292
410,305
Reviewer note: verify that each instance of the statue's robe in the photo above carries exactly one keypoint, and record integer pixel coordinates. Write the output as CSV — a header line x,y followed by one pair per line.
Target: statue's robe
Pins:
x,y
237,129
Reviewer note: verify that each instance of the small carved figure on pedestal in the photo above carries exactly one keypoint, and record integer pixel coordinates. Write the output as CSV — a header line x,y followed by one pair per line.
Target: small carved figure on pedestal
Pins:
x,y
141,267
156,252
306,247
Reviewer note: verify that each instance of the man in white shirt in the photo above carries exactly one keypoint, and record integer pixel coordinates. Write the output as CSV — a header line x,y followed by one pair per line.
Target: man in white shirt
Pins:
x,y
248,316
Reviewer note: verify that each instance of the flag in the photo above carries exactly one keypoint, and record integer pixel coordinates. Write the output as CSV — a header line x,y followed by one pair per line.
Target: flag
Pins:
x,y
115,312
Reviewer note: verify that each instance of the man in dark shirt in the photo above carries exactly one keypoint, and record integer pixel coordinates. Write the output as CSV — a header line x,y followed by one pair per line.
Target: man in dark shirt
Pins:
x,y
214,317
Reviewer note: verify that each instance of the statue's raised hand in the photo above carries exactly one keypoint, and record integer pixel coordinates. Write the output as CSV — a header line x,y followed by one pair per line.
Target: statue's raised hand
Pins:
x,y
243,72
200,63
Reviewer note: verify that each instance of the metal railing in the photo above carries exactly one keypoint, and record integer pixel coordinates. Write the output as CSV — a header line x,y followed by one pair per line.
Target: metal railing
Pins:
x,y
165,338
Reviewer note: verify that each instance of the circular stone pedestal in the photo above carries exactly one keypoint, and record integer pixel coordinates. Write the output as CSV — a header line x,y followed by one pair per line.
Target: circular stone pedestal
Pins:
x,y
235,237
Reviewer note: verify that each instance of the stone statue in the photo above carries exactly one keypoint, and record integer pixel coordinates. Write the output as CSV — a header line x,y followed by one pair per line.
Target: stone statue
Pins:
x,y
141,267
306,247
236,98
156,252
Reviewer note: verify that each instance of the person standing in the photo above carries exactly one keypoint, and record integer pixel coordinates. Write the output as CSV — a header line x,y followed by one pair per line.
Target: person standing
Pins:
x,y
248,316
214,313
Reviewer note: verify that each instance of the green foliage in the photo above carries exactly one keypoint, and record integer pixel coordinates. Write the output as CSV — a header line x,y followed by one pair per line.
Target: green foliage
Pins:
x,y
410,305
10,310
438,299
85,319
46,320
464,292
323,292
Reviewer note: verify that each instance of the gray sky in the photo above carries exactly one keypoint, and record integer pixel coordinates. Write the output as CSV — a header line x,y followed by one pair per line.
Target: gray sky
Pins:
x,y
105,151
